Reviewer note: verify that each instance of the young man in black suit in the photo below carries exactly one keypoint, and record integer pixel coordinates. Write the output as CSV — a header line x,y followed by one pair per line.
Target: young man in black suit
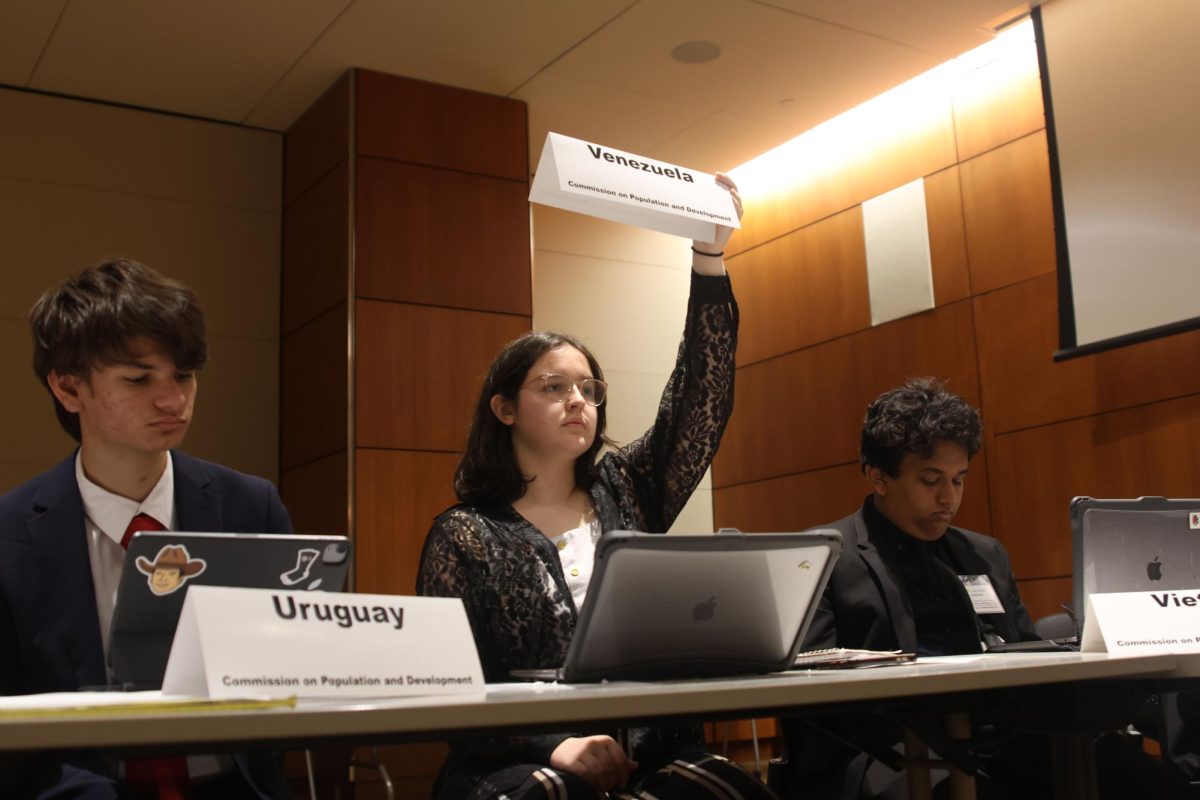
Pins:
x,y
908,580
118,348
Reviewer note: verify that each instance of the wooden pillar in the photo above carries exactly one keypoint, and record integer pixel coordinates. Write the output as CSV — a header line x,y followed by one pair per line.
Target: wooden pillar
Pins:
x,y
406,266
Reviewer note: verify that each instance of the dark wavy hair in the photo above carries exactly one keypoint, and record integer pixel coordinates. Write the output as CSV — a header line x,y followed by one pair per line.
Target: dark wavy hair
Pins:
x,y
91,318
488,473
915,418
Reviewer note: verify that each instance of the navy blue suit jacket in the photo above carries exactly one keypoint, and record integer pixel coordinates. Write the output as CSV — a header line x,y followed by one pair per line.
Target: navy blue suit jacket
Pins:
x,y
49,625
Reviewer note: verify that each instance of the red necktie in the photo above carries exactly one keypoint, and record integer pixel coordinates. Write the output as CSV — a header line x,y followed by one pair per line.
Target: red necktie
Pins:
x,y
165,778
141,522
167,775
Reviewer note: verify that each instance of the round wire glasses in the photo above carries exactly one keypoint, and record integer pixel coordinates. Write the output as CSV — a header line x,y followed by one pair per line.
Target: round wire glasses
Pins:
x,y
559,388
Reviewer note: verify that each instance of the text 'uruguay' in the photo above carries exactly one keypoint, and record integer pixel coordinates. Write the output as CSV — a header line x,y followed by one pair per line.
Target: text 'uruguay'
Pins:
x,y
344,615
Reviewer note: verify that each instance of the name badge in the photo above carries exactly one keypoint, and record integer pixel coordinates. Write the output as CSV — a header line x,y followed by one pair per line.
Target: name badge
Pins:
x,y
983,596
1140,622
272,643
636,190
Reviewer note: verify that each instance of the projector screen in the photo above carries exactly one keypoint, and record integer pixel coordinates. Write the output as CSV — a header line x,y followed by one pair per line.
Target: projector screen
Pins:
x,y
1123,123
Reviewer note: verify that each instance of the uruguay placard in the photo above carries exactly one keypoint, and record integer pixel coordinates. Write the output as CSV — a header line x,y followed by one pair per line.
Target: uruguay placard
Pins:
x,y
272,643
612,184
1142,622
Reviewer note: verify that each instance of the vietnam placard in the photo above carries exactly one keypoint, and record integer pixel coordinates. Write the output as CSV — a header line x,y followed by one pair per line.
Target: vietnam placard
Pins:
x,y
272,643
1142,622
636,190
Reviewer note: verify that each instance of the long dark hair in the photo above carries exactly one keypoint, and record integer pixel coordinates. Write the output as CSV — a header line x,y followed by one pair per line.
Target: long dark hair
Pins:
x,y
488,473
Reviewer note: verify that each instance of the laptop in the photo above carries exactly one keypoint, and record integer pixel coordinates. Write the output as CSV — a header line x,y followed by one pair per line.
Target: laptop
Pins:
x,y
1139,545
160,565
666,607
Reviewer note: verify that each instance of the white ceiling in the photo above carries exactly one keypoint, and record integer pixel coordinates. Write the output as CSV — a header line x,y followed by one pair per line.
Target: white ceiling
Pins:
x,y
595,69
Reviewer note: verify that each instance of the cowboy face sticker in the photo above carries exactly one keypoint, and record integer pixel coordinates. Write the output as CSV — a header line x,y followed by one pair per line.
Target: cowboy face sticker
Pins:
x,y
171,569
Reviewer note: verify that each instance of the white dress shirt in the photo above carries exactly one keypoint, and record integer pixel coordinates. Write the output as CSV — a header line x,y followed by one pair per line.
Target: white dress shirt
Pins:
x,y
106,516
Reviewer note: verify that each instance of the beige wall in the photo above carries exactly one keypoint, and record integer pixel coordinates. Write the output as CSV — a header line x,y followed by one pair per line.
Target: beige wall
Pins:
x,y
623,291
198,201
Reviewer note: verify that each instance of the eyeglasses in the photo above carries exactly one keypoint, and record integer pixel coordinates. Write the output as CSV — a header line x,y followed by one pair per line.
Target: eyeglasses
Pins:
x,y
559,388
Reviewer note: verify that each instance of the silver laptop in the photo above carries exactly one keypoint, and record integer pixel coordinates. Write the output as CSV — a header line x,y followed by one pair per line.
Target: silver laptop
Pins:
x,y
1139,545
662,607
160,565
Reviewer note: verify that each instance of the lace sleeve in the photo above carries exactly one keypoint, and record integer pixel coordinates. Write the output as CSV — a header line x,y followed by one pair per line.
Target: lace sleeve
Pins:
x,y
441,572
452,551
668,461
451,560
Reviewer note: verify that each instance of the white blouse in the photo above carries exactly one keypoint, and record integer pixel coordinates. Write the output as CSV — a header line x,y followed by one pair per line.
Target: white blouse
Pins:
x,y
577,551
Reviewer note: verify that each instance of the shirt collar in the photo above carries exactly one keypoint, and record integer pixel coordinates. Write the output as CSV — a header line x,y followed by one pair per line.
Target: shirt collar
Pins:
x,y
878,523
111,513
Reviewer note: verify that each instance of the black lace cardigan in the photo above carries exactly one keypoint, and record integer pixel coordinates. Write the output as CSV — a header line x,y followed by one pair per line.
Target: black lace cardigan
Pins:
x,y
508,573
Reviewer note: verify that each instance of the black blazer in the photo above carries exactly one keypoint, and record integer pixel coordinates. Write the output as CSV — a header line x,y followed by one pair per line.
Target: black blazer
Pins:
x,y
863,607
49,626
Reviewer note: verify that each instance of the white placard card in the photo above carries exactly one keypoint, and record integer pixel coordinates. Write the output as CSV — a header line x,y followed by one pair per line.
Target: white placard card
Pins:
x,y
623,187
264,642
1140,622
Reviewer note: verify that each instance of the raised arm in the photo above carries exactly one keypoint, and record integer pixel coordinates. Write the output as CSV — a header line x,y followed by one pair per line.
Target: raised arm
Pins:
x,y
666,464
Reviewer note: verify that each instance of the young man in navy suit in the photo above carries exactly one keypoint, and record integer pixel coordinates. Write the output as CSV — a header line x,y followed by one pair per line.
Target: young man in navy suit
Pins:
x,y
118,347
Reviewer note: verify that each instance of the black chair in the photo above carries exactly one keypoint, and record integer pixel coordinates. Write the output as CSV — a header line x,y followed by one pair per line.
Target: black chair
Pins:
x,y
1056,626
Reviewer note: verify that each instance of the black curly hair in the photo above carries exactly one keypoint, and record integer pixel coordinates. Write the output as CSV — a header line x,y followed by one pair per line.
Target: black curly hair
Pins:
x,y
915,418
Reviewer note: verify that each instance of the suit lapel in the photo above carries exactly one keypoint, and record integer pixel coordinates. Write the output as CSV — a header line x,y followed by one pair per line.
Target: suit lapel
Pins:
x,y
965,558
59,537
968,561
196,508
898,611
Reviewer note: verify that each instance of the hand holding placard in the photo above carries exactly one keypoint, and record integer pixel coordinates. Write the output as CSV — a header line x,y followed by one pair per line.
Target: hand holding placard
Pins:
x,y
708,257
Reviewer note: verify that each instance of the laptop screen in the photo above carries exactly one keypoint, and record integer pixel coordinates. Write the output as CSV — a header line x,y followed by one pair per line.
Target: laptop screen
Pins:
x,y
160,565
689,606
1136,545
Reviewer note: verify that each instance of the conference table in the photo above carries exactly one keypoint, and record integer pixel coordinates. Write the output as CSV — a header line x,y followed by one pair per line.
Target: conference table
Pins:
x,y
314,722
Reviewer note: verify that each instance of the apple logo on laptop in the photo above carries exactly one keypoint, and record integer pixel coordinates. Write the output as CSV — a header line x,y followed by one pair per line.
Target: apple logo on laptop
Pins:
x,y
705,610
1154,570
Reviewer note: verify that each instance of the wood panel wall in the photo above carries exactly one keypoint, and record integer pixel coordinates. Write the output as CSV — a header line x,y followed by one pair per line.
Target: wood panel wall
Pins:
x,y
1118,424
406,267
198,201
